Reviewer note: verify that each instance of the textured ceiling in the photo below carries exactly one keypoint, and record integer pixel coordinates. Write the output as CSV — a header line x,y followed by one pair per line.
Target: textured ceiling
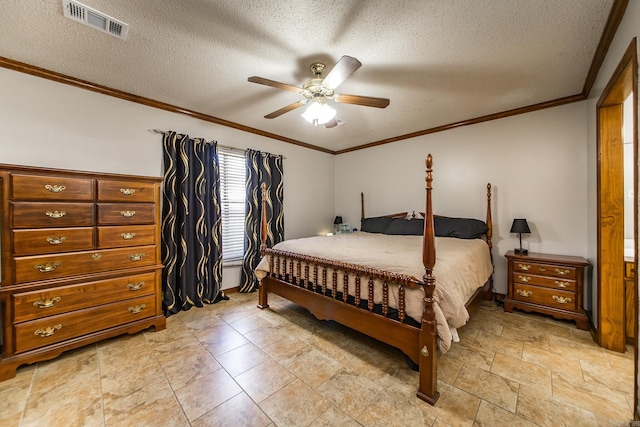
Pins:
x,y
438,61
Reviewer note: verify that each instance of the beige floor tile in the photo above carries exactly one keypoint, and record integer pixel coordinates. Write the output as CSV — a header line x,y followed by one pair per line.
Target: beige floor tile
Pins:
x,y
202,395
267,336
251,323
334,417
491,387
313,367
490,415
14,393
240,410
154,405
608,405
455,407
123,373
392,409
547,411
472,354
522,372
264,380
608,376
220,339
187,364
448,368
499,344
287,348
350,393
551,360
294,405
242,359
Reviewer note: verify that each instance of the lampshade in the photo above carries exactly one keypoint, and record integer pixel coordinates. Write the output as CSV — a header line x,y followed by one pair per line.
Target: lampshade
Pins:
x,y
338,220
319,113
520,226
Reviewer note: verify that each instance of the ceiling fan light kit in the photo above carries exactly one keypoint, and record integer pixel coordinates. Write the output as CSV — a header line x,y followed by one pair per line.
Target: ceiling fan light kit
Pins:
x,y
318,90
319,113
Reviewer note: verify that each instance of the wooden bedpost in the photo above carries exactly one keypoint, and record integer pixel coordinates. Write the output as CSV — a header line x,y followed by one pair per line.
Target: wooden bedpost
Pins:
x,y
488,296
262,292
428,361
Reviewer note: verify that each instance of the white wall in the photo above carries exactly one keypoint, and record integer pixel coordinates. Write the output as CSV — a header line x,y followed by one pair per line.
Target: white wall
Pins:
x,y
536,163
49,124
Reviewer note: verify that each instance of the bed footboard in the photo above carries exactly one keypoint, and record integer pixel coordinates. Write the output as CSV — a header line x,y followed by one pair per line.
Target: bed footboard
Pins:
x,y
313,283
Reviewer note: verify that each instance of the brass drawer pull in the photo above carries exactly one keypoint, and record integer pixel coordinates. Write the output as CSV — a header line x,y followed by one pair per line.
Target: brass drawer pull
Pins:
x,y
137,309
561,300
47,303
561,284
127,214
524,279
55,188
56,214
127,191
47,332
136,257
524,293
45,268
135,286
128,236
56,240
524,267
542,268
562,272
96,256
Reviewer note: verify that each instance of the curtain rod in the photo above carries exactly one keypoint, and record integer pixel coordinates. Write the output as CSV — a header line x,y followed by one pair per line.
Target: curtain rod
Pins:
x,y
160,131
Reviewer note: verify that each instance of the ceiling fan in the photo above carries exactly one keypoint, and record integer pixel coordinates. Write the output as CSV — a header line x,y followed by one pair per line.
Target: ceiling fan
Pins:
x,y
318,90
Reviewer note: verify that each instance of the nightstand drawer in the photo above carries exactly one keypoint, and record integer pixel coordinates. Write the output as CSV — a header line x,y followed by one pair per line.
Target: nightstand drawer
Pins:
x,y
126,213
51,215
125,191
563,272
50,187
547,297
547,282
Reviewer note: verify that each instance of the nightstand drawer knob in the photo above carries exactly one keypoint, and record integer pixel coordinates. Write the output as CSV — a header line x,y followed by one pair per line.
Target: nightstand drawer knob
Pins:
x,y
127,214
562,272
55,188
524,267
55,214
135,286
561,300
136,309
127,191
561,284
524,293
56,240
524,279
48,267
128,236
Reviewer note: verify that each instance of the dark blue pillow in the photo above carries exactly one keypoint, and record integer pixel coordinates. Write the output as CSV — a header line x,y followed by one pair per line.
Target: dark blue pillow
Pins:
x,y
376,224
406,227
462,228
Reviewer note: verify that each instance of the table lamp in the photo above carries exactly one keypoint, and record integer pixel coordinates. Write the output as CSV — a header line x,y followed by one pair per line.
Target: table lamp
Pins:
x,y
336,224
520,226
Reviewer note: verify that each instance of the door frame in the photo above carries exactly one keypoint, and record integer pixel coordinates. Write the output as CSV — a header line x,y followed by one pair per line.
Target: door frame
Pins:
x,y
610,330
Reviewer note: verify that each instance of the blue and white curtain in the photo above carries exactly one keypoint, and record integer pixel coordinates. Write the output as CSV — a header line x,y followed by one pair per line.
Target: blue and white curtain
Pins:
x,y
191,224
267,168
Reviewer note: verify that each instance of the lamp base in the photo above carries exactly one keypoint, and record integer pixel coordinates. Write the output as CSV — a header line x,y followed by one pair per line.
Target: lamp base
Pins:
x,y
520,251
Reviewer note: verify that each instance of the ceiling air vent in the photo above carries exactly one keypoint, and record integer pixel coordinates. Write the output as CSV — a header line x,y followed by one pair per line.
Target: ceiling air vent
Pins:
x,y
94,19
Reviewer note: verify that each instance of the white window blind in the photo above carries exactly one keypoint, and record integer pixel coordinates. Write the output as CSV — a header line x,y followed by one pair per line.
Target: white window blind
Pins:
x,y
232,195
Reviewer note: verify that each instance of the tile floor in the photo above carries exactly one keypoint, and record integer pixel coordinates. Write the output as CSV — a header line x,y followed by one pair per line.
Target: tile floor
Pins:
x,y
232,364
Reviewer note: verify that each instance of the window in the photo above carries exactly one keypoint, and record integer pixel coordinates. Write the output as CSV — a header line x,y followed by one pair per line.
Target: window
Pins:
x,y
232,195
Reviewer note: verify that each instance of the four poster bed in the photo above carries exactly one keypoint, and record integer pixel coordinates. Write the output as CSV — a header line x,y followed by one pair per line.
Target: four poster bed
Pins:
x,y
340,278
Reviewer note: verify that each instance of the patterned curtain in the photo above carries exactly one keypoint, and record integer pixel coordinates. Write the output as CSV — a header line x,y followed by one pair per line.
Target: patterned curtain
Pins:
x,y
191,224
267,168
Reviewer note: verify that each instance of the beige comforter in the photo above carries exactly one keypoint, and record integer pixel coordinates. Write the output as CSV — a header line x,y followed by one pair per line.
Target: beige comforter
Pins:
x,y
461,267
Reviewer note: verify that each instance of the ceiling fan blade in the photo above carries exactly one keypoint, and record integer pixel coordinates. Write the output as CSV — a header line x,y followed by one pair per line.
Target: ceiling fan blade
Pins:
x,y
285,109
346,66
273,83
334,122
367,101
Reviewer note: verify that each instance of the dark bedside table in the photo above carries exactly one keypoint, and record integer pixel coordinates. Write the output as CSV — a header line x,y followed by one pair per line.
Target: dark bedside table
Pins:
x,y
547,284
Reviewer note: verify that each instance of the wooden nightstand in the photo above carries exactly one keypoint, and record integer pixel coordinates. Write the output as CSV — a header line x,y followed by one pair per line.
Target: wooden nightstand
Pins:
x,y
547,284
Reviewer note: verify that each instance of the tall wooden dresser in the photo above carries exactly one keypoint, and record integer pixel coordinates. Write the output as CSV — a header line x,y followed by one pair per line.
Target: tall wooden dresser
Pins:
x,y
80,260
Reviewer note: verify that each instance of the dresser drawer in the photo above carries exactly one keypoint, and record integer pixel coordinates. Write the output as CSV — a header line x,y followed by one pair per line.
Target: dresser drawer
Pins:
x,y
48,302
53,329
547,282
563,272
52,240
125,191
629,270
50,187
544,296
131,235
35,268
125,213
51,215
